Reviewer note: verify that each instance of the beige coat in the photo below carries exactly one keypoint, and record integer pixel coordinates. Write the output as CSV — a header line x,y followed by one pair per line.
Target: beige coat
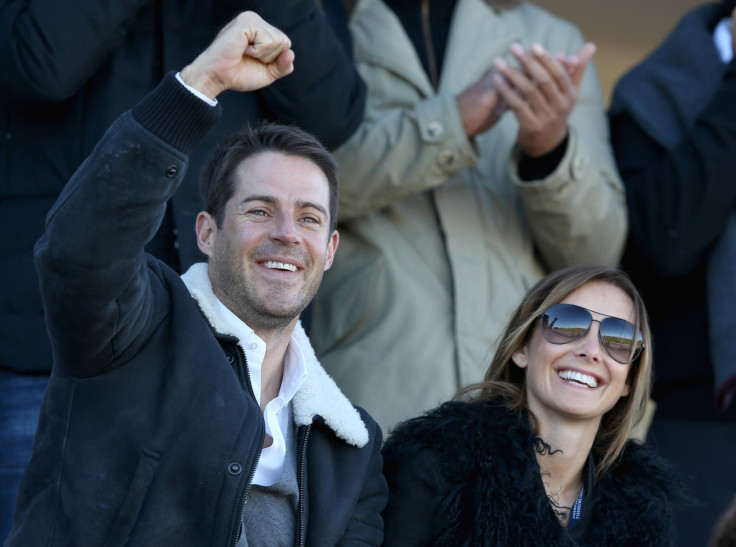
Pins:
x,y
440,239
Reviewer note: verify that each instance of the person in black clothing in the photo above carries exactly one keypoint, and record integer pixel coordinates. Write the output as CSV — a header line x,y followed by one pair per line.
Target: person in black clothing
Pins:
x,y
539,452
191,410
67,70
673,128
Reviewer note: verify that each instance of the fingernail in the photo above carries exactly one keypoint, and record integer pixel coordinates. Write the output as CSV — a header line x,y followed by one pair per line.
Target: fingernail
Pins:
x,y
538,49
516,48
500,64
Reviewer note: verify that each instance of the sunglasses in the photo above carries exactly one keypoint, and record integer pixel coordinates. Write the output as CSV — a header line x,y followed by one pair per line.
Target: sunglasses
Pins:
x,y
565,323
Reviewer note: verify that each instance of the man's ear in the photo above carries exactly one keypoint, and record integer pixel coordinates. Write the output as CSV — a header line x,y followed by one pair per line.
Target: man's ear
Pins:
x,y
331,249
206,232
520,357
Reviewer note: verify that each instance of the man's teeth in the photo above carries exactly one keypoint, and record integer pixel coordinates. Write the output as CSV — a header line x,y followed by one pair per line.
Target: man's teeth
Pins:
x,y
579,377
279,266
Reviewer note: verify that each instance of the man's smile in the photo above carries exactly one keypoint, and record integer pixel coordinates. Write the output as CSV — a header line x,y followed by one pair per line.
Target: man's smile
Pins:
x,y
273,265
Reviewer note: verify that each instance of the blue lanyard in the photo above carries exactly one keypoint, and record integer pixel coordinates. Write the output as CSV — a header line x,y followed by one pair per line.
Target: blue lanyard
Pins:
x,y
577,509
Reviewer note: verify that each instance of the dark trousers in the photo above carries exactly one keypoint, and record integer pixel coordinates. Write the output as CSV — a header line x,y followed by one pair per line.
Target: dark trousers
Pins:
x,y
20,401
704,453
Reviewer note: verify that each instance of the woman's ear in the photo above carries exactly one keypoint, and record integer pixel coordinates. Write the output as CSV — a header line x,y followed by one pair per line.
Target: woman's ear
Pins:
x,y
627,389
520,358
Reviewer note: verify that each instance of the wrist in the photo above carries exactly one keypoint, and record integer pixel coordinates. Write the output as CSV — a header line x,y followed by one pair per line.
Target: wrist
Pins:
x,y
198,81
542,145
195,92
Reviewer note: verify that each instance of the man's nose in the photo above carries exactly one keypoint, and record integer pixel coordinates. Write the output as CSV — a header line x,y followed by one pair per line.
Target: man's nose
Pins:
x,y
285,229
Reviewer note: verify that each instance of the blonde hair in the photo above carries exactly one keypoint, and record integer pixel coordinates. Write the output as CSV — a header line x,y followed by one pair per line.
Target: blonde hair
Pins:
x,y
506,381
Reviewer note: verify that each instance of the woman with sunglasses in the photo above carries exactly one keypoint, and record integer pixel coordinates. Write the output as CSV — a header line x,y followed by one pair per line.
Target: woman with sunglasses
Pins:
x,y
538,453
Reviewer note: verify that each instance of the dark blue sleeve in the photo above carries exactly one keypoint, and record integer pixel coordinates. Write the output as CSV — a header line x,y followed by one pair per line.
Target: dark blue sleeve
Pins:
x,y
50,48
95,282
324,95
679,199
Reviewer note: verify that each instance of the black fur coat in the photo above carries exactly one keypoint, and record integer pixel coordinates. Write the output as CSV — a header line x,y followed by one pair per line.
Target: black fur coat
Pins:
x,y
465,474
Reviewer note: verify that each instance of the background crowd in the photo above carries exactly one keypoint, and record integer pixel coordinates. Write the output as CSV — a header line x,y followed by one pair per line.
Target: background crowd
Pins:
x,y
456,196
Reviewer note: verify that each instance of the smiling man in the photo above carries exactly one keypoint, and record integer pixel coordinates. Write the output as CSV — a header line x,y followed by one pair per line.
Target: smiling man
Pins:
x,y
192,410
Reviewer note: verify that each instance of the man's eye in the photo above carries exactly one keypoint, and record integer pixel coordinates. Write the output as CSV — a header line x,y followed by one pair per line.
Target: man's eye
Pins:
x,y
311,220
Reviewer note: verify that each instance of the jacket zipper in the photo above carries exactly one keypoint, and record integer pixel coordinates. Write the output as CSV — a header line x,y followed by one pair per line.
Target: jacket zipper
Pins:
x,y
302,487
243,366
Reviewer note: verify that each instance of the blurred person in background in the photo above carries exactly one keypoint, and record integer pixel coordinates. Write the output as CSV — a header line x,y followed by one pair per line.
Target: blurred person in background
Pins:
x,y
673,128
482,163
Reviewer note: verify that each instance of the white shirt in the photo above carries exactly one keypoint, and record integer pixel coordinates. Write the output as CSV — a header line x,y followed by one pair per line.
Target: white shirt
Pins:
x,y
722,39
205,98
277,414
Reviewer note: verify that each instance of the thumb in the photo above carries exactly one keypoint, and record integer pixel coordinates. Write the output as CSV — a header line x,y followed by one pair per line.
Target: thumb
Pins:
x,y
283,65
583,57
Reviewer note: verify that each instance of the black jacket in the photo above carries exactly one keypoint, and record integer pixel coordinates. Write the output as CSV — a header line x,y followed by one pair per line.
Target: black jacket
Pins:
x,y
149,432
466,474
69,68
680,191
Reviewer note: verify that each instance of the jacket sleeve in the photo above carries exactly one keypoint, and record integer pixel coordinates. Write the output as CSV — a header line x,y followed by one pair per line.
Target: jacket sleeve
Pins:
x,y
324,95
416,492
578,213
680,199
99,295
399,151
50,48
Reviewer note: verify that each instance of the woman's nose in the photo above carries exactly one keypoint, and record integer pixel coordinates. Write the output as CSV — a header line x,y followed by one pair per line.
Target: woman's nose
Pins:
x,y
590,345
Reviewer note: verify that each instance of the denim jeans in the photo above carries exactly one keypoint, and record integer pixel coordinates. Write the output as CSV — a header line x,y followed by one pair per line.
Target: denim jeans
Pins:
x,y
20,401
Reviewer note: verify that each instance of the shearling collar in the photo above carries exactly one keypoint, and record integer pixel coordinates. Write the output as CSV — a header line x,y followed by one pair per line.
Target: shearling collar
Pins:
x,y
317,396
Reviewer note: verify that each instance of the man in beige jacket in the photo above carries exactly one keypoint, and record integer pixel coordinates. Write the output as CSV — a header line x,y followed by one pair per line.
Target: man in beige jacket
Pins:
x,y
482,163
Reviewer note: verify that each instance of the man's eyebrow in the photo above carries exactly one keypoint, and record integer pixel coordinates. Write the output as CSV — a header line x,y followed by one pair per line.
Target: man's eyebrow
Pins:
x,y
258,197
301,204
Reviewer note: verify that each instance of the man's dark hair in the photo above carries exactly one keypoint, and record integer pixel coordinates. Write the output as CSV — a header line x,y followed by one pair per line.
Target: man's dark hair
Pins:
x,y
217,181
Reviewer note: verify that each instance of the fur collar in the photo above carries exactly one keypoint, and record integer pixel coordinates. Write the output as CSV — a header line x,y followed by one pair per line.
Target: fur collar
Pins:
x,y
318,395
492,491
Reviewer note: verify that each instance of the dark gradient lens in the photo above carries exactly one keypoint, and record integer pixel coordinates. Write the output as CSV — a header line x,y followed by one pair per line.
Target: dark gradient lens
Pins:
x,y
563,323
619,339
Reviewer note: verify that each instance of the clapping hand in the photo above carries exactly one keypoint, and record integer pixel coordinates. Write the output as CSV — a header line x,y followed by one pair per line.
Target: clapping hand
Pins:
x,y
541,92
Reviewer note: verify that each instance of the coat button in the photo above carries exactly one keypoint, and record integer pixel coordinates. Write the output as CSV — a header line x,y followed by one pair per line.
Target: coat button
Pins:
x,y
446,157
435,129
234,468
172,171
578,168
